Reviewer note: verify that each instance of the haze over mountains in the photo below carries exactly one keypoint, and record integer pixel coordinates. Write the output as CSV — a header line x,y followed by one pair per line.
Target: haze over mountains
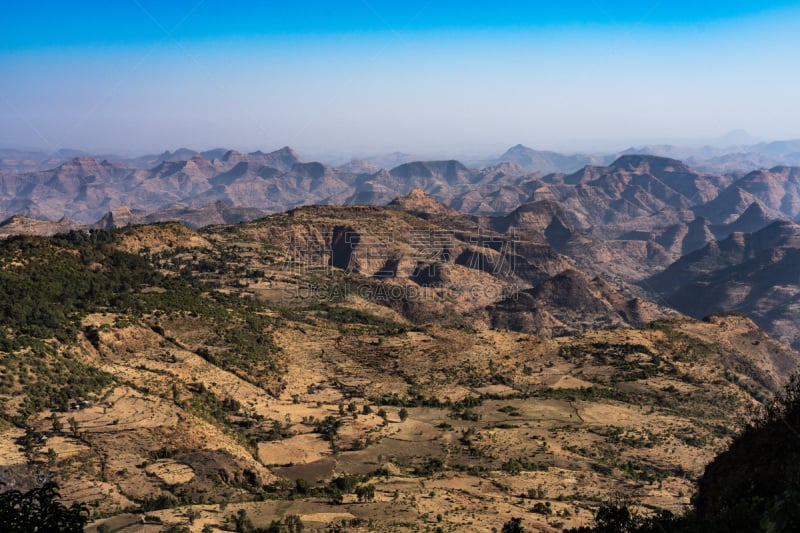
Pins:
x,y
636,217
661,229
216,357
735,151
85,187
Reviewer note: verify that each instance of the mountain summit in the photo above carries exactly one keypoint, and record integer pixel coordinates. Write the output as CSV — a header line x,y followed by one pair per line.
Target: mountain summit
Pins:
x,y
543,161
418,202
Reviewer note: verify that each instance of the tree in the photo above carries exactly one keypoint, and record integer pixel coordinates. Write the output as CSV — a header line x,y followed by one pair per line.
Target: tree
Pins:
x,y
617,517
276,431
39,510
290,524
403,414
28,441
366,493
336,497
301,486
294,524
57,425
514,525
73,425
177,529
52,457
241,522
328,427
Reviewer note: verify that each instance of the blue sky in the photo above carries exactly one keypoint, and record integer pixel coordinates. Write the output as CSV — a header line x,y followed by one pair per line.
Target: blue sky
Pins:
x,y
366,76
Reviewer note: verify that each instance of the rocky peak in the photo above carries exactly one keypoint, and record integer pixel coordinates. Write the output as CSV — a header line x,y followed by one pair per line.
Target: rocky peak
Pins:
x,y
232,155
648,163
283,159
288,153
418,201
118,218
545,217
22,225
84,165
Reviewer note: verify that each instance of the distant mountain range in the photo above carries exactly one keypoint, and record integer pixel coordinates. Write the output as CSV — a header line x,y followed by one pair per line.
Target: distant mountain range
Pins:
x,y
633,192
735,152
692,238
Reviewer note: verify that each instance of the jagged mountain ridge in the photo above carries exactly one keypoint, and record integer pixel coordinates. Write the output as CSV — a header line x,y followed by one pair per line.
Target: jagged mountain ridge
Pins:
x,y
751,273
634,191
546,161
649,208
626,222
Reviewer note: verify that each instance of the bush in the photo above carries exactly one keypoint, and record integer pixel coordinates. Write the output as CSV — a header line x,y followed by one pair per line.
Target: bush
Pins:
x,y
756,482
514,525
39,510
617,517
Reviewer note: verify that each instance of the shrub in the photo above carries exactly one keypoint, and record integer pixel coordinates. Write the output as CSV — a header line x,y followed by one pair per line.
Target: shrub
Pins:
x,y
39,510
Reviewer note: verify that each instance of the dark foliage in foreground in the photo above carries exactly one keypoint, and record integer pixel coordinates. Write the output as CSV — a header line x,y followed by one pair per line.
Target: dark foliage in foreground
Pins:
x,y
752,486
38,511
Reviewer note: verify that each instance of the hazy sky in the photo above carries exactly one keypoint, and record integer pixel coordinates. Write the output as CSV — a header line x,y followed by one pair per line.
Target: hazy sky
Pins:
x,y
368,76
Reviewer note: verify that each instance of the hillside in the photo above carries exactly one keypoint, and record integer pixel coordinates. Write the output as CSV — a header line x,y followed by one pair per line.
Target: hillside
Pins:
x,y
750,273
335,363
